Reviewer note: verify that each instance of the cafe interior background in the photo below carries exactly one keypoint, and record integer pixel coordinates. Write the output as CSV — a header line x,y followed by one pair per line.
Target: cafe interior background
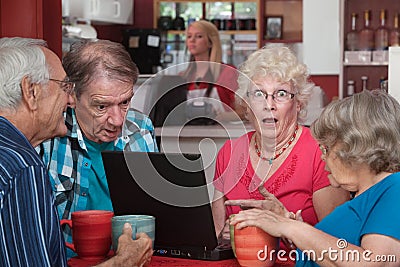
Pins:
x,y
317,30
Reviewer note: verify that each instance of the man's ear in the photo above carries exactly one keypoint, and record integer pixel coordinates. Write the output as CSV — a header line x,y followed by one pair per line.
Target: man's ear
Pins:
x,y
30,93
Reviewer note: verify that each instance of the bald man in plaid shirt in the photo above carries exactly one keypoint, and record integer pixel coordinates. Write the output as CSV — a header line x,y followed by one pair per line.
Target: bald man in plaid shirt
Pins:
x,y
104,75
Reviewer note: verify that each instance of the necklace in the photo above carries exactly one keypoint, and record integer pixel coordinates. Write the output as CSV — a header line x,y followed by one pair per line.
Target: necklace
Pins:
x,y
280,151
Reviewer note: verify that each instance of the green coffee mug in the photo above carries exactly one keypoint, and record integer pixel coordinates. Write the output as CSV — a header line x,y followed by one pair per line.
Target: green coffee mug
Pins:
x,y
232,234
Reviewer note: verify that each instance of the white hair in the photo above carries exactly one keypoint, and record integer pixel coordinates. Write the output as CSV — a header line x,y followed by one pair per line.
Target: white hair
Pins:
x,y
19,58
280,63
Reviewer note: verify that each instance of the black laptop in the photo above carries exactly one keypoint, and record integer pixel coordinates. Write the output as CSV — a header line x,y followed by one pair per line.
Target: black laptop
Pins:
x,y
172,187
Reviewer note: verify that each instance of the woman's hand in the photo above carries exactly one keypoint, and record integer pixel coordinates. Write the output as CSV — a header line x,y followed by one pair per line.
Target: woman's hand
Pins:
x,y
269,203
266,220
289,243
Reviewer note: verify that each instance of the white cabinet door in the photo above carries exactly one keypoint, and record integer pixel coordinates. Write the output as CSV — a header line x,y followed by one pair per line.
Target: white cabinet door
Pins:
x,y
115,11
394,70
321,42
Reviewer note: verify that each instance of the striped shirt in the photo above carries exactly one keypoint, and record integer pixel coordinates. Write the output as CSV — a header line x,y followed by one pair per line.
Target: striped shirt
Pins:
x,y
30,231
69,163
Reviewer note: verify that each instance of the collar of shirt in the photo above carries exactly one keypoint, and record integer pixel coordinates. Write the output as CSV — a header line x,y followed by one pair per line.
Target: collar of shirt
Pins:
x,y
74,130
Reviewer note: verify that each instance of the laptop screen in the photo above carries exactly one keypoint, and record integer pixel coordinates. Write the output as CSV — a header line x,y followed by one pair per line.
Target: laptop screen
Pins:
x,y
171,187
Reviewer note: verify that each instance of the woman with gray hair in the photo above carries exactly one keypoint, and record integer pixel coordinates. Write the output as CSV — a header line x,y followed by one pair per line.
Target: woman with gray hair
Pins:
x,y
359,138
277,166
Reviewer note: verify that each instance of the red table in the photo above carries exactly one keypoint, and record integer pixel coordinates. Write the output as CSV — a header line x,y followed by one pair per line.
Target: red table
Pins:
x,y
157,261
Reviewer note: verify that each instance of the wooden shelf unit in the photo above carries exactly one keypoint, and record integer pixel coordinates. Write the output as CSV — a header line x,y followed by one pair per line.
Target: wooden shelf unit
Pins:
x,y
374,71
258,18
292,13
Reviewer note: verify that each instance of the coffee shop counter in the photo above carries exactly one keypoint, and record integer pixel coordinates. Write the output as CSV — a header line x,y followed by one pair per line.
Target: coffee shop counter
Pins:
x,y
200,139
189,138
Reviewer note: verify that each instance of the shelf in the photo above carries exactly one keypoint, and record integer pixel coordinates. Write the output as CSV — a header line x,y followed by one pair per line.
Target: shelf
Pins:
x,y
254,32
366,64
281,41
373,70
292,20
204,1
258,17
288,38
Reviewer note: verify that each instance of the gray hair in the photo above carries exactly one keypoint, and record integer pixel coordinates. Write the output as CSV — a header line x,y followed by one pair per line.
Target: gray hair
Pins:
x,y
279,63
19,58
366,128
88,60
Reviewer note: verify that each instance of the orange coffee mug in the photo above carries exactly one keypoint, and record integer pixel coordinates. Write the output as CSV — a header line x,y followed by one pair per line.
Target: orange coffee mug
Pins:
x,y
254,247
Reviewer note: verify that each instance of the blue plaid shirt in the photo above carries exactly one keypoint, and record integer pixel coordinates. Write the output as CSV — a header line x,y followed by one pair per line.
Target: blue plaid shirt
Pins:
x,y
69,164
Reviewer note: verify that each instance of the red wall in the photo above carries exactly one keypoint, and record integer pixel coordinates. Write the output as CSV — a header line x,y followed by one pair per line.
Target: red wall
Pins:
x,y
52,30
329,83
21,18
32,18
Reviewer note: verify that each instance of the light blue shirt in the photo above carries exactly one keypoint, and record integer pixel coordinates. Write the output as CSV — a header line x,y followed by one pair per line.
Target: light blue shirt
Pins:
x,y
99,195
375,211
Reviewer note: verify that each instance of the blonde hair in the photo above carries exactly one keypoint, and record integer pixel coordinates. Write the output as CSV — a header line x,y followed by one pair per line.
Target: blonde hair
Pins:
x,y
212,34
281,64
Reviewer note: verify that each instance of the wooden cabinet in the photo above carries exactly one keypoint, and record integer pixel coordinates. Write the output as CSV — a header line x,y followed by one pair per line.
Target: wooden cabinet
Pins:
x,y
291,13
375,71
256,32
236,44
312,26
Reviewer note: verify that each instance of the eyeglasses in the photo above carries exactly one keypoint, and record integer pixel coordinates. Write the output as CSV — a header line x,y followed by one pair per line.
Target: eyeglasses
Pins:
x,y
65,85
324,149
279,96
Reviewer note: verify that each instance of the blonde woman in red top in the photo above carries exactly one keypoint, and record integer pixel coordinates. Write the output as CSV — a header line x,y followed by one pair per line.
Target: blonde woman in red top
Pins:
x,y
207,75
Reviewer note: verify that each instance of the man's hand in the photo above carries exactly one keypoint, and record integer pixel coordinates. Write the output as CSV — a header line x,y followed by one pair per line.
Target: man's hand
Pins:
x,y
131,252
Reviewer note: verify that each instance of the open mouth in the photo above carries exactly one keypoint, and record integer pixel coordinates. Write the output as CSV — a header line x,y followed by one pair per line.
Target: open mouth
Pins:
x,y
269,120
112,132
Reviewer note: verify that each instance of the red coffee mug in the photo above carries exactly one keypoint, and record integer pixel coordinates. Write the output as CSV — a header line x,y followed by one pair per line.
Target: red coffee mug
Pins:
x,y
91,233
